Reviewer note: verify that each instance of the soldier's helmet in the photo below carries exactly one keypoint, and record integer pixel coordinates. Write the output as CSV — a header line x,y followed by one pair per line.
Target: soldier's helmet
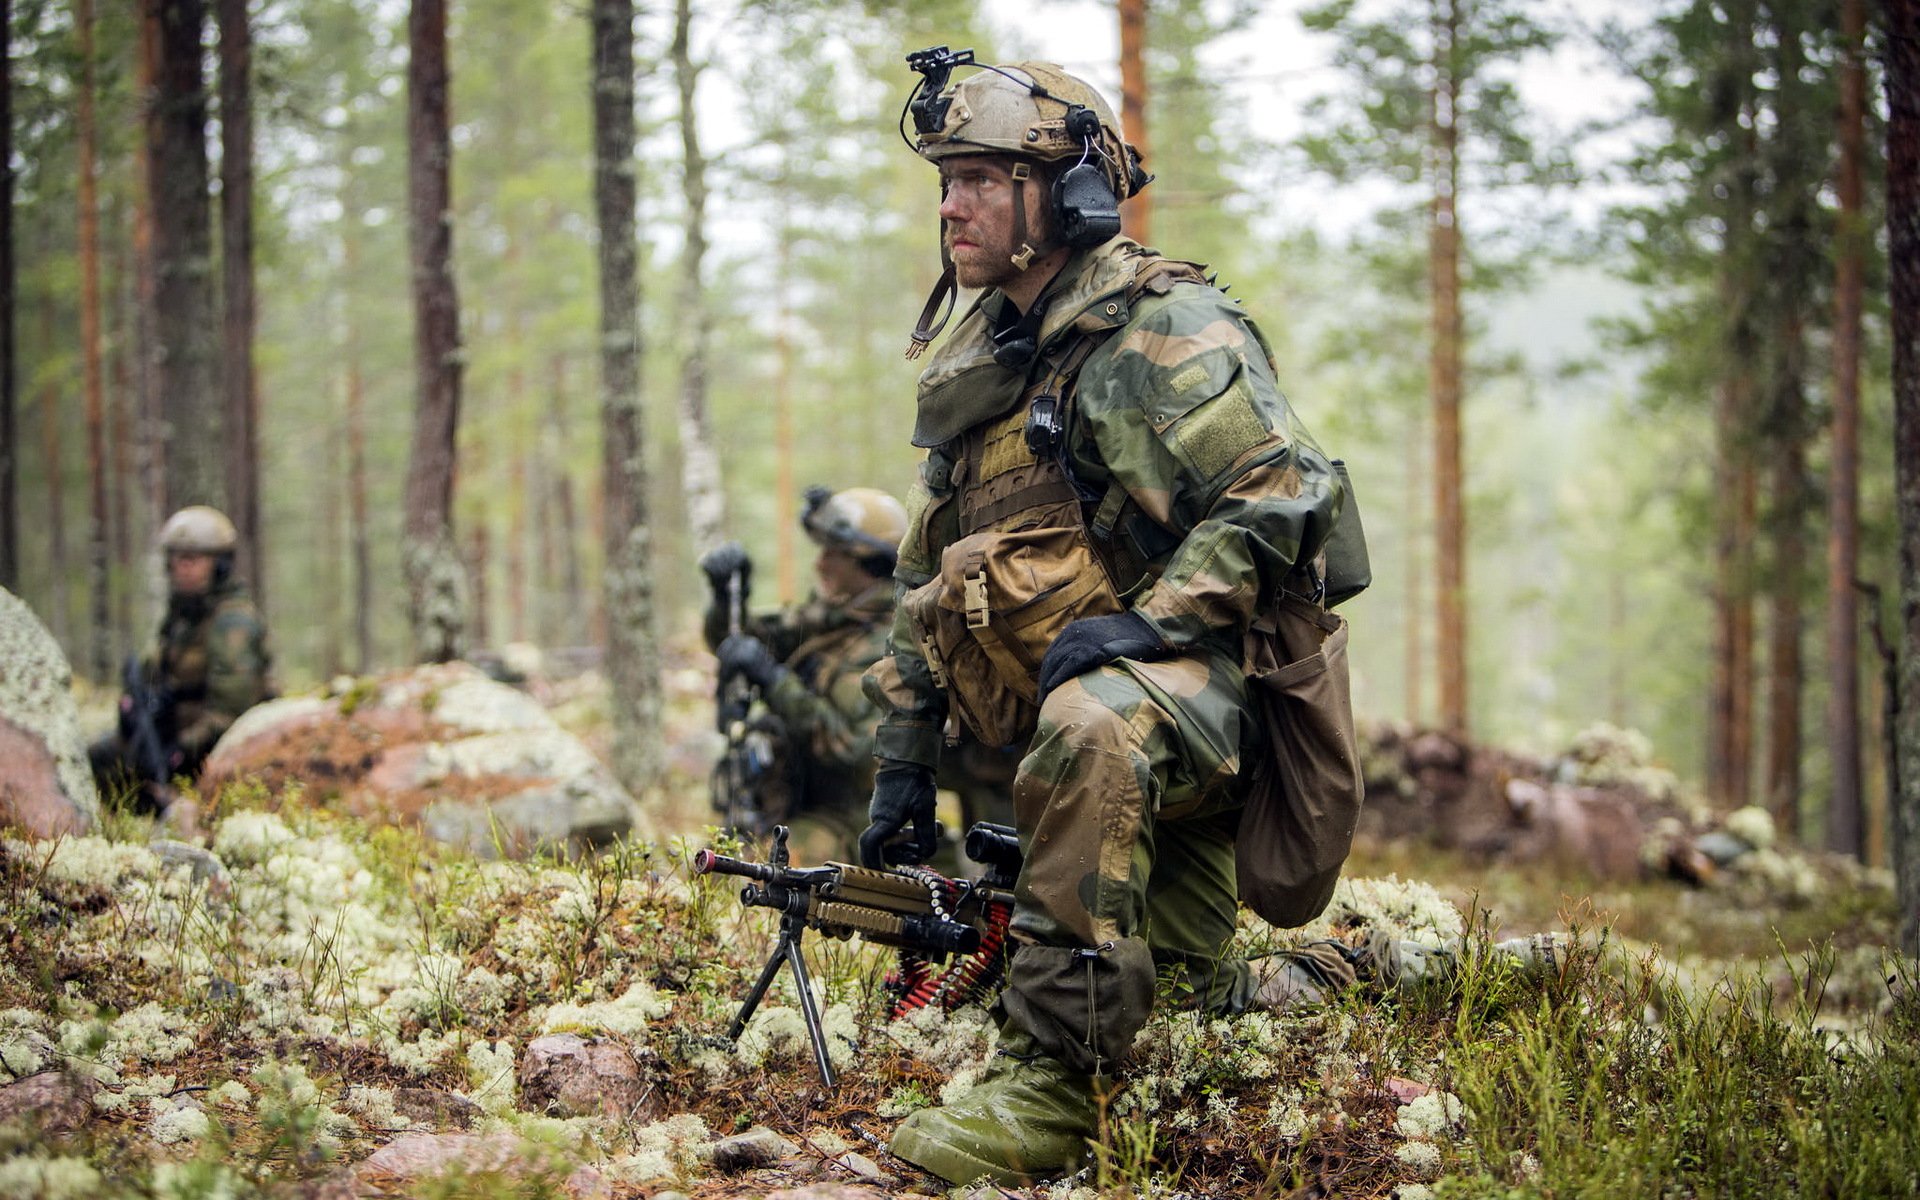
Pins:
x,y
865,522
198,529
998,111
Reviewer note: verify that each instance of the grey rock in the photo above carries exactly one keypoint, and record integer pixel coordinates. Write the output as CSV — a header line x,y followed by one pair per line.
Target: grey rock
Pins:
x,y
829,1191
1722,847
757,1147
860,1167
46,786
208,870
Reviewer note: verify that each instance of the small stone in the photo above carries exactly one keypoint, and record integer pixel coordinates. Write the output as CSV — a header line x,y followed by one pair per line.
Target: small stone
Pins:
x,y
427,1107
576,1077
828,1191
862,1168
56,1102
757,1147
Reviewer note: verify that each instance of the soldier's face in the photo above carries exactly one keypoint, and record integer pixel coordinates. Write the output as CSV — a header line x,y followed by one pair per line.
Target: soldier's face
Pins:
x,y
189,573
976,214
840,575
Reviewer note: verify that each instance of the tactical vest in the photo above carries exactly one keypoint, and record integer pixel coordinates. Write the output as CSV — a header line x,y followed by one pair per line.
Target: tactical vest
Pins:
x,y
1026,563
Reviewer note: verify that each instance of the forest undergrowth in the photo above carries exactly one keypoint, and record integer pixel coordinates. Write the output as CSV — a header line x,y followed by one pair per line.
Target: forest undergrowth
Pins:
x,y
278,1010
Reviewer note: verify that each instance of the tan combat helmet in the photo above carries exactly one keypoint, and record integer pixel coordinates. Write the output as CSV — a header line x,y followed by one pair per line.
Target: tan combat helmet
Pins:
x,y
1022,109
1032,111
865,522
198,529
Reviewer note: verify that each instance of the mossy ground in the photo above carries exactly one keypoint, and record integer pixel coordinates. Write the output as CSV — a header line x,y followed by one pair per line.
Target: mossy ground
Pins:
x,y
1707,1045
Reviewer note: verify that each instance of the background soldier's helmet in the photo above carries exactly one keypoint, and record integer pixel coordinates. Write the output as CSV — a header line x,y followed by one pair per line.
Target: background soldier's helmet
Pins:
x,y
865,522
989,112
198,529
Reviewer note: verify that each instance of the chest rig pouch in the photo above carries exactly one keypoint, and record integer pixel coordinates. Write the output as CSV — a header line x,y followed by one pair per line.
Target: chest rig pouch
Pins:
x,y
1023,567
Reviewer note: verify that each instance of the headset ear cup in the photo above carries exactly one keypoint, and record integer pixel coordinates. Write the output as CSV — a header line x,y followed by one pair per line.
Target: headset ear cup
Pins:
x,y
1085,207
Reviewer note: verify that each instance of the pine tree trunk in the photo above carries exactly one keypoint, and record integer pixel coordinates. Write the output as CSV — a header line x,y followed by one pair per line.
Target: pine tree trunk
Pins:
x,y
1903,256
700,462
100,618
58,584
241,389
1785,672
1413,603
1136,218
429,555
9,434
632,648
125,432
151,440
183,318
560,536
359,536
1843,488
1444,380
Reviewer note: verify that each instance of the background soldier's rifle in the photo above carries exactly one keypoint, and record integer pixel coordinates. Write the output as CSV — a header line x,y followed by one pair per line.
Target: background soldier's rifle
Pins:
x,y
749,753
923,914
146,719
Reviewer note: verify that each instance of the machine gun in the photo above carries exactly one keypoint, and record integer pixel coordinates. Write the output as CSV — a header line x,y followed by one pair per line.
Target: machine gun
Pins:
x,y
928,917
146,720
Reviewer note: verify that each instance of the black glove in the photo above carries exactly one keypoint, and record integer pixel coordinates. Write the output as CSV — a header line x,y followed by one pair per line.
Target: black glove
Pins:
x,y
744,654
902,793
721,564
1096,641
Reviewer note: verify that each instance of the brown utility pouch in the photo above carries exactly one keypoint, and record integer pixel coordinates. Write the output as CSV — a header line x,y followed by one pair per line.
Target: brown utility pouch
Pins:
x,y
986,621
1305,798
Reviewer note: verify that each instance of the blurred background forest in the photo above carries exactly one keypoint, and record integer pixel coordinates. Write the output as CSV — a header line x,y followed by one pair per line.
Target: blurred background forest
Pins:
x,y
1590,297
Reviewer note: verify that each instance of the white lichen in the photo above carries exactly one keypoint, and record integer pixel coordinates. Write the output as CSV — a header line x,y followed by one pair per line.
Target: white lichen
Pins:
x,y
1432,1116
34,1177
625,1016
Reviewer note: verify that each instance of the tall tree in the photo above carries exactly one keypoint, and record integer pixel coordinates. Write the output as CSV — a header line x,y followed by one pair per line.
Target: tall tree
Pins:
x,y
183,321
9,435
430,556
1137,217
99,618
700,463
1843,490
1430,100
1903,236
632,646
241,390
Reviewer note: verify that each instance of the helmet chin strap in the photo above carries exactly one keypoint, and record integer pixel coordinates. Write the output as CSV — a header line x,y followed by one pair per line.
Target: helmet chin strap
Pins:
x,y
1023,255
932,318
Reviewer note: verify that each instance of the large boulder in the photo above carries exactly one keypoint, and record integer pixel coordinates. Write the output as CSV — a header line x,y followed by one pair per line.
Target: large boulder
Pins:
x,y
46,787
473,762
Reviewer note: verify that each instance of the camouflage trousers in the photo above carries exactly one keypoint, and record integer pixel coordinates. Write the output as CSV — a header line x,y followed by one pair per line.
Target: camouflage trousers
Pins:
x,y
1127,806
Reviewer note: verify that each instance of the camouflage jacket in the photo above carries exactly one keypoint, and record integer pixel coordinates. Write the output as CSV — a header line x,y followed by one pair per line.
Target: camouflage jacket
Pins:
x,y
826,647
212,657
1201,487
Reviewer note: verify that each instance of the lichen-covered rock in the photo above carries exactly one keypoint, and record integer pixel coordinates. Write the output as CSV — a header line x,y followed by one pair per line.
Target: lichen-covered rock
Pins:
x,y
46,787
473,762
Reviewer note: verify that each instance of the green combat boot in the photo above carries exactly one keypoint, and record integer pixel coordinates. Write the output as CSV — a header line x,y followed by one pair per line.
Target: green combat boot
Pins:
x,y
1028,1117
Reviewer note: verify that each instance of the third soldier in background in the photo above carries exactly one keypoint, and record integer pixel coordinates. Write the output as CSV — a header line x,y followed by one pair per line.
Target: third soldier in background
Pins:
x,y
803,756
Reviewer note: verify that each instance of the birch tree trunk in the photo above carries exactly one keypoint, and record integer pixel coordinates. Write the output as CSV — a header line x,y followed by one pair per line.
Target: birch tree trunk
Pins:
x,y
99,615
632,649
1136,218
700,462
239,386
1843,487
191,428
436,585
1903,256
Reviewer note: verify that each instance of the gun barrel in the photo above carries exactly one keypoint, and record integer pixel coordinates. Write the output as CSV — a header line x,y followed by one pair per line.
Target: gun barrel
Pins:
x,y
707,862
